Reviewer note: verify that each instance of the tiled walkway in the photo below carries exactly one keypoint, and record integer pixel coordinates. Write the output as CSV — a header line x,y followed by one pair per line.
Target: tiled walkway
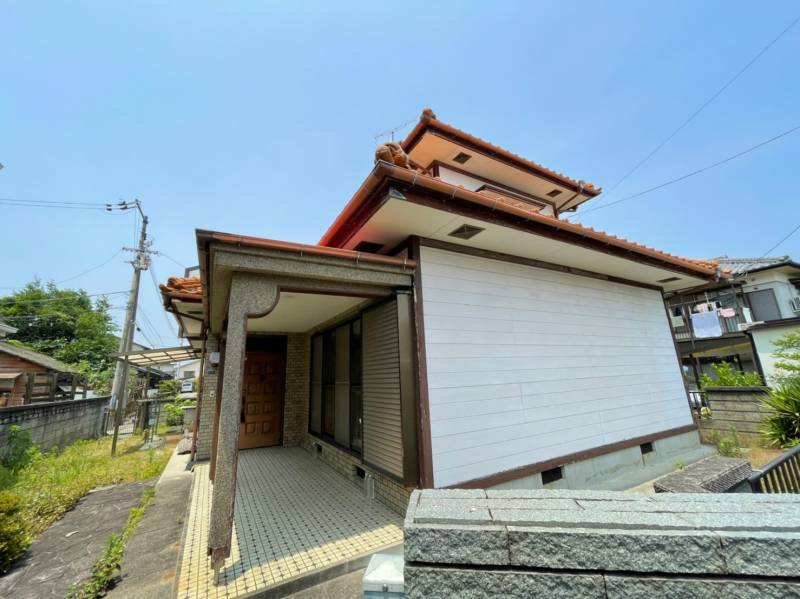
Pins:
x,y
293,515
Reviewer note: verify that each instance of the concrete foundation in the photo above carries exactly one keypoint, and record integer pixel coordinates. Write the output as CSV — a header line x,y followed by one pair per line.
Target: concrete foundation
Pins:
x,y
623,469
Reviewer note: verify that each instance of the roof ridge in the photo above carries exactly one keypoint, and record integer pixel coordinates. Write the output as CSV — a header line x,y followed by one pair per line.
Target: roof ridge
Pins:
x,y
428,117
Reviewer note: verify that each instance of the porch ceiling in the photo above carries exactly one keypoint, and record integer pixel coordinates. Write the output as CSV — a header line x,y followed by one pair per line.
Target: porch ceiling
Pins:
x,y
301,312
340,280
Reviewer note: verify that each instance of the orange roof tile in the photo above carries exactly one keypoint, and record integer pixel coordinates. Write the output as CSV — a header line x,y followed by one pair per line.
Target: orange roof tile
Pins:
x,y
428,120
187,288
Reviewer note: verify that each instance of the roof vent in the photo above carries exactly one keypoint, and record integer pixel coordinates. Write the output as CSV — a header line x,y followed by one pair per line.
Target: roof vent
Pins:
x,y
554,193
466,232
461,157
369,247
669,280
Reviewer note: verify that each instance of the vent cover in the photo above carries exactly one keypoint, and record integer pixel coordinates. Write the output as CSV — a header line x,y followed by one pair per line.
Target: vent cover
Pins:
x,y
554,193
368,246
466,232
461,157
552,475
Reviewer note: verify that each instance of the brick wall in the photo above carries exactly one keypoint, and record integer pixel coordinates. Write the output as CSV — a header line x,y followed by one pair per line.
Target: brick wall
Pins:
x,y
295,404
387,490
207,401
56,424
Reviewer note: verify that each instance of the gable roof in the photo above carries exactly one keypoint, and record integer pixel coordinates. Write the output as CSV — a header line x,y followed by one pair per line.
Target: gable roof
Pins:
x,y
740,266
31,356
429,122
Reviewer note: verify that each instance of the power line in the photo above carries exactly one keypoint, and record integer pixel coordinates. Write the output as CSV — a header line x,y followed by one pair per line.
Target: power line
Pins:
x,y
705,104
61,299
154,278
183,266
693,173
86,272
792,232
119,208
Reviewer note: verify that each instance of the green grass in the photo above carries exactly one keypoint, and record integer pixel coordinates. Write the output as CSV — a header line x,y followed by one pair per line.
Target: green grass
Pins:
x,y
54,482
105,569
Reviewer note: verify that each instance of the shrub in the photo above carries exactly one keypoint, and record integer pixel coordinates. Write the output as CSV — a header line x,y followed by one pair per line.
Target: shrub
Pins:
x,y
14,538
174,413
726,376
781,427
729,447
18,450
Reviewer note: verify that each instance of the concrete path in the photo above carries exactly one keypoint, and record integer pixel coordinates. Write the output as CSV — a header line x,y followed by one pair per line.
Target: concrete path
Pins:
x,y
151,558
345,587
65,552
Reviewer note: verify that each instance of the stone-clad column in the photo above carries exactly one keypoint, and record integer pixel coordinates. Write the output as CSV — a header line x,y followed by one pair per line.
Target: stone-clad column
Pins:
x,y
207,401
250,296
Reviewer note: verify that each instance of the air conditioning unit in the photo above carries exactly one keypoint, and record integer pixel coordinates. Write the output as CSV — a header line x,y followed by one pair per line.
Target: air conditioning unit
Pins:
x,y
796,304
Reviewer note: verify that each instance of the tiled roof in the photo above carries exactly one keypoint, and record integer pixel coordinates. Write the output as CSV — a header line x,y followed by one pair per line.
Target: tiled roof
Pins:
x,y
188,288
428,120
738,266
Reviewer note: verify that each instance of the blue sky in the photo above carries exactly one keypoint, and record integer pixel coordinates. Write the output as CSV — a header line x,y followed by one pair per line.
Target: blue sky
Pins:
x,y
258,118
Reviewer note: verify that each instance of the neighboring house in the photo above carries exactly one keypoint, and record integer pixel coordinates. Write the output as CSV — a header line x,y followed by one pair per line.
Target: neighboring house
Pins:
x,y
187,370
736,319
27,376
6,330
448,330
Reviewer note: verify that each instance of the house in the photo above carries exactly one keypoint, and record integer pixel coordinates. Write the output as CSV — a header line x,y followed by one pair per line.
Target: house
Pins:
x,y
27,376
6,329
740,316
450,329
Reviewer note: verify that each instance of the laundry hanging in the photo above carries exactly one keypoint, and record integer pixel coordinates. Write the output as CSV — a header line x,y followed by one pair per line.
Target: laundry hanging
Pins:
x,y
706,324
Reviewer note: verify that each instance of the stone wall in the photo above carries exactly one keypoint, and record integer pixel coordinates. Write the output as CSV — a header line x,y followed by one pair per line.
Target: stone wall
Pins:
x,y
501,543
734,408
295,404
206,401
56,424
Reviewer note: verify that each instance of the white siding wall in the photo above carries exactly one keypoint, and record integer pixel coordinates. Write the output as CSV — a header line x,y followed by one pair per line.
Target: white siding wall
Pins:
x,y
527,364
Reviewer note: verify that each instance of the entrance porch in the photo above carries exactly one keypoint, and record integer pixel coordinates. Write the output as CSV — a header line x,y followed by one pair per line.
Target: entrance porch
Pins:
x,y
294,519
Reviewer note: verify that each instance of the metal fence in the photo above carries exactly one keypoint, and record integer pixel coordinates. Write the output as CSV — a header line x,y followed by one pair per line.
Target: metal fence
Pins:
x,y
781,475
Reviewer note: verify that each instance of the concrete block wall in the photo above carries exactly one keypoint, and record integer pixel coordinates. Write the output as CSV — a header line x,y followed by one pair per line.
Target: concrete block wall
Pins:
x,y
295,404
207,401
531,543
734,408
56,424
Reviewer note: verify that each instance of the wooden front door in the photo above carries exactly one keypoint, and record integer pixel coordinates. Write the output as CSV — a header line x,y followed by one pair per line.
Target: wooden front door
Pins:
x,y
262,404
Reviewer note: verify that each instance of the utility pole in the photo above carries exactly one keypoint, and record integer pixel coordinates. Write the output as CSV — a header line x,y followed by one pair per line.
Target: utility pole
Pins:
x,y
119,390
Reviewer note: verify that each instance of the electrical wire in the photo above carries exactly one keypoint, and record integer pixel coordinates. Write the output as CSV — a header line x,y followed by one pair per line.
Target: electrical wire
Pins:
x,y
61,299
154,278
693,173
94,268
792,232
183,266
705,104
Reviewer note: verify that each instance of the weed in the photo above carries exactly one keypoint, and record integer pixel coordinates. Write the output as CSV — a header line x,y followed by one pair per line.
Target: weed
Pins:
x,y
105,569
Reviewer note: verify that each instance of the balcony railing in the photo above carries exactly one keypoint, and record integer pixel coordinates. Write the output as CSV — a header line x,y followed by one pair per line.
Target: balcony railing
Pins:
x,y
682,323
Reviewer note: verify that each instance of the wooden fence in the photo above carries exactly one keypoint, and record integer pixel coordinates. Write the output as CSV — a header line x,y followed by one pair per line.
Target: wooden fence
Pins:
x,y
53,386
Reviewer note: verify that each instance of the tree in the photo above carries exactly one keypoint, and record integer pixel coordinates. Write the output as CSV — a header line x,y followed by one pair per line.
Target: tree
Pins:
x,y
788,353
64,324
